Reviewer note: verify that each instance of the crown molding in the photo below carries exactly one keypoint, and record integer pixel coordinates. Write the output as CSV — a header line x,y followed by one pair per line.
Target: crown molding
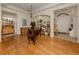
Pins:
x,y
14,9
55,6
47,7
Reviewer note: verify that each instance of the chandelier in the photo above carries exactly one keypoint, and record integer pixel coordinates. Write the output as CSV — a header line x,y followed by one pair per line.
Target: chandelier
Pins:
x,y
31,11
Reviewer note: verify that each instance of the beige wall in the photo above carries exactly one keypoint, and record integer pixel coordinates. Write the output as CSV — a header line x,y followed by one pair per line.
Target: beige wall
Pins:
x,y
75,20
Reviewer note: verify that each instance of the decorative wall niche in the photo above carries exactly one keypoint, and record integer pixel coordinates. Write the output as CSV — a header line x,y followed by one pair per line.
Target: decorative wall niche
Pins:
x,y
43,21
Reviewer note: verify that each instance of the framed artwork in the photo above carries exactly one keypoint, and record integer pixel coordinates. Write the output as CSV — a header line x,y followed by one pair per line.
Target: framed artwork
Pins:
x,y
24,22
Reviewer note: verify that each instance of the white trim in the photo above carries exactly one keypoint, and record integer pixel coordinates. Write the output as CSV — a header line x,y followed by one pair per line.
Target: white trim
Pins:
x,y
78,25
66,5
14,9
46,7
55,6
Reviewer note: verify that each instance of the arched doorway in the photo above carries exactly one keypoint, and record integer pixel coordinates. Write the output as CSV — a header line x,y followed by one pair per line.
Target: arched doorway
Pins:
x,y
8,24
65,24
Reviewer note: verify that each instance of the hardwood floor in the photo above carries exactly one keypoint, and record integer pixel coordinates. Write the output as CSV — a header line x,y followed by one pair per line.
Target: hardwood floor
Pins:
x,y
44,46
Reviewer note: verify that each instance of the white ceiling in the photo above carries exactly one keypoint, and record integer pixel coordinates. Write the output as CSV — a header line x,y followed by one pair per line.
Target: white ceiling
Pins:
x,y
27,6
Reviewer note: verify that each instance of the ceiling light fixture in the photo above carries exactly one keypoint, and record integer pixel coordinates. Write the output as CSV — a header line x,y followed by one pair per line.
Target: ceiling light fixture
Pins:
x,y
31,11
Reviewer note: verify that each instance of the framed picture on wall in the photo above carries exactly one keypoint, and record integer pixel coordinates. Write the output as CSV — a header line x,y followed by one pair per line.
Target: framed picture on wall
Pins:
x,y
24,22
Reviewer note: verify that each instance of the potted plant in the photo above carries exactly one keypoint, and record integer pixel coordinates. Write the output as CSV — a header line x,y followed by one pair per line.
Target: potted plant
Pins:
x,y
33,24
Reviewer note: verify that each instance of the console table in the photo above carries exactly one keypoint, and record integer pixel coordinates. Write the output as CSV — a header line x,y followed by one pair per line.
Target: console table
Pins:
x,y
24,30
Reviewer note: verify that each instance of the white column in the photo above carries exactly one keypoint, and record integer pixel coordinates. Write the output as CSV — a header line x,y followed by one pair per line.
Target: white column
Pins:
x,y
78,24
0,23
52,24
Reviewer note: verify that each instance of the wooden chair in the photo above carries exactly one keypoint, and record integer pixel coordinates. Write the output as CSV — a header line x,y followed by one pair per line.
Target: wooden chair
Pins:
x,y
32,34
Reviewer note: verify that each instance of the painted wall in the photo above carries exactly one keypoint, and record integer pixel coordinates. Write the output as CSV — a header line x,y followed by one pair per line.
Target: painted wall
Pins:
x,y
20,15
75,20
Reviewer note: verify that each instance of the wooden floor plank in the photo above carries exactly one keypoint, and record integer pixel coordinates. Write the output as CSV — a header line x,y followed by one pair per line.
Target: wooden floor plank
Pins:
x,y
44,46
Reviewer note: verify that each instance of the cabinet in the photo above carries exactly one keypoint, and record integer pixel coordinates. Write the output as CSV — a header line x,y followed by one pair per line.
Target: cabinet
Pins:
x,y
24,30
43,21
8,29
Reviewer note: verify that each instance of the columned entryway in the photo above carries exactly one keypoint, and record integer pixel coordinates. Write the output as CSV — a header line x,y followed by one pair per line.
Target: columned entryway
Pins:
x,y
0,24
78,24
52,24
